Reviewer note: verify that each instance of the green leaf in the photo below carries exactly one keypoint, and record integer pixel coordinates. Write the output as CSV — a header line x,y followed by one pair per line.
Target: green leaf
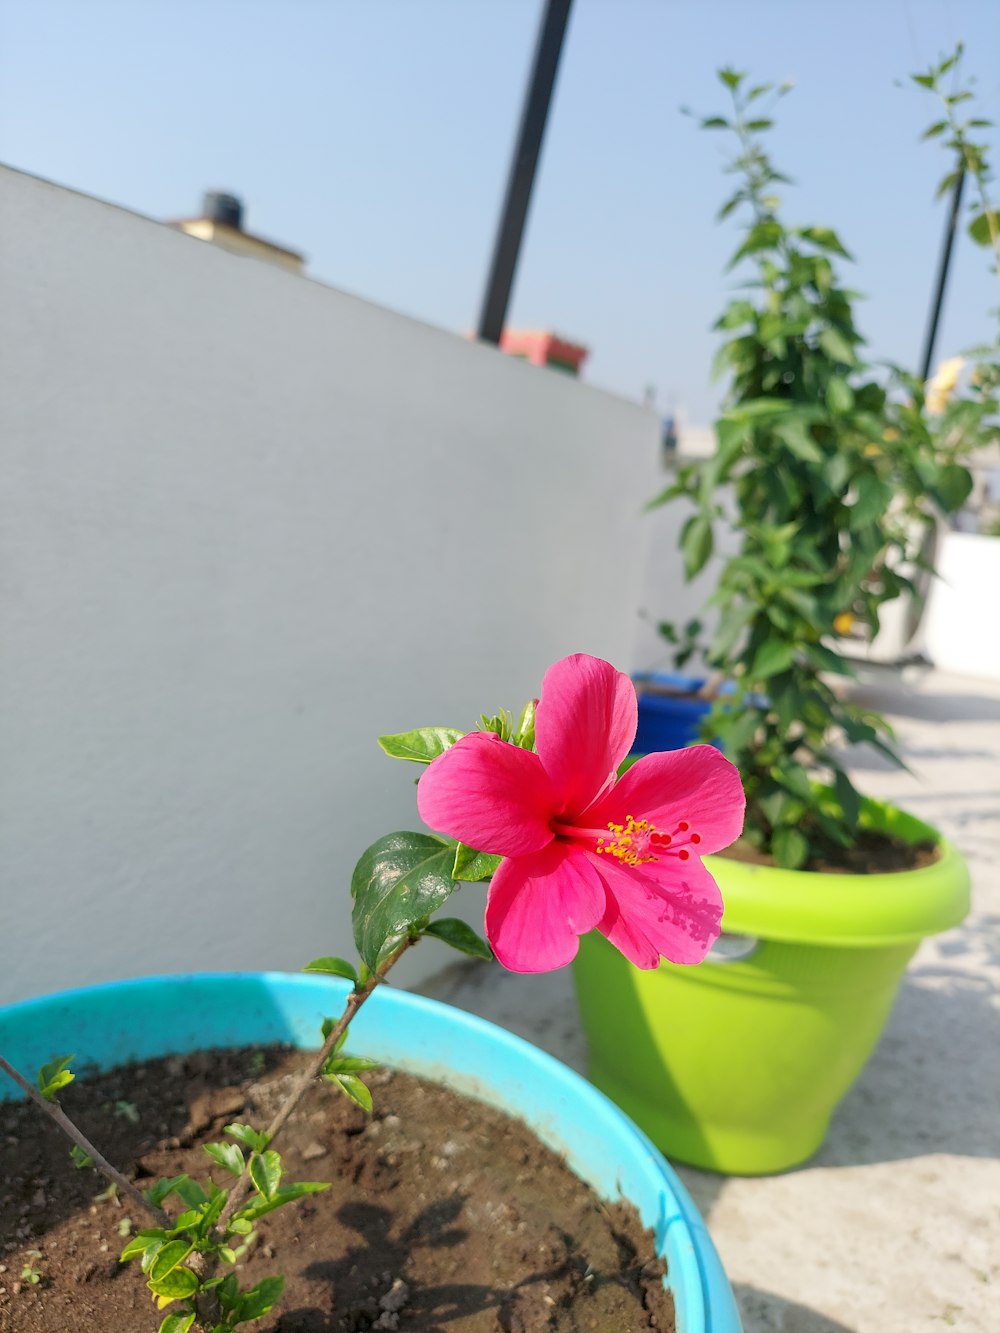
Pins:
x,y
773,657
715,123
872,500
790,848
168,1257
251,1138
421,745
459,936
794,433
696,544
762,236
348,1064
357,1091
259,1300
177,1323
932,131
847,796
730,77
471,866
287,1194
79,1158
178,1285
825,238
952,486
839,395
266,1172
142,1244
55,1075
836,346
228,1156
399,882
758,407
333,967
190,1192
162,1190
829,660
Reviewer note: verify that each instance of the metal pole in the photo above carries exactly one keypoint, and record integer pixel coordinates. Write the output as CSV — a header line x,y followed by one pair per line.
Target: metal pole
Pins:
x,y
942,278
522,172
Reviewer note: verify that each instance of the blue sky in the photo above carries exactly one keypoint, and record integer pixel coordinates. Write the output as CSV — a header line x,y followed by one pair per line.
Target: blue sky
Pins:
x,y
375,135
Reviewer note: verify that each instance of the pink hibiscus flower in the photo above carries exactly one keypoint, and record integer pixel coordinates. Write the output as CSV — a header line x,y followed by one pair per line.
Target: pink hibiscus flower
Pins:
x,y
581,847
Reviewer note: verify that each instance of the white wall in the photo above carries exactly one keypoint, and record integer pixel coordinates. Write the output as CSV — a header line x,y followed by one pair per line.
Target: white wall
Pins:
x,y
248,523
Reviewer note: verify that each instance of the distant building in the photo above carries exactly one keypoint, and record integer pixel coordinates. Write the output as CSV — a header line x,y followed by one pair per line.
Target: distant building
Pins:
x,y
221,222
542,348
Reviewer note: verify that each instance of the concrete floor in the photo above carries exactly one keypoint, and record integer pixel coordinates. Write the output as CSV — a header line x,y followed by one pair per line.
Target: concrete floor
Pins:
x,y
895,1226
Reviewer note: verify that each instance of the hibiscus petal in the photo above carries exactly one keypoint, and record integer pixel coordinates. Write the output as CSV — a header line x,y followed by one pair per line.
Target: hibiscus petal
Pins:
x,y
697,784
584,726
669,908
492,795
538,906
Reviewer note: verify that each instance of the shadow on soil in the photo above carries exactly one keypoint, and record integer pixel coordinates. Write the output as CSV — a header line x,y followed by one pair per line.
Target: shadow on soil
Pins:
x,y
764,1312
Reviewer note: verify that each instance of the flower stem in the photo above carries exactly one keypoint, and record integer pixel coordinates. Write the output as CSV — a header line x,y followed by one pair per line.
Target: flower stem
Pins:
x,y
55,1111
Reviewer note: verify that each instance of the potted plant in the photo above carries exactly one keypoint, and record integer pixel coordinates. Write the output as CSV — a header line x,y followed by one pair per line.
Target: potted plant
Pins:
x,y
827,894
509,804
962,402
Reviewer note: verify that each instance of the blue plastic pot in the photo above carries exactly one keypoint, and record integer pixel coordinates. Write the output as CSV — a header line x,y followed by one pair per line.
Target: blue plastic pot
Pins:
x,y
668,721
136,1020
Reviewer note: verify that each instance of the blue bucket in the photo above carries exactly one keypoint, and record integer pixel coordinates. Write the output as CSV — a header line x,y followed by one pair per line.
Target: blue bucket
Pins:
x,y
137,1020
669,717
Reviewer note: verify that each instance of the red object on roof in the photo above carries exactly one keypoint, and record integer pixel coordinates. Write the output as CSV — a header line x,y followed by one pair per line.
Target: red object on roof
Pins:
x,y
542,348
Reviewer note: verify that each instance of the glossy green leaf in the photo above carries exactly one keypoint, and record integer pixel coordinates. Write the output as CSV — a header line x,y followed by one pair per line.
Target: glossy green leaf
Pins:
x,y
286,1194
355,1089
266,1172
254,1139
177,1285
333,967
421,745
168,1257
259,1300
177,1323
471,866
55,1075
227,1155
398,882
459,936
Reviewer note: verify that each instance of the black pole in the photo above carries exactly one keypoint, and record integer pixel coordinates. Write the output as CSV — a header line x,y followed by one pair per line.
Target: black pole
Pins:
x,y
522,171
942,278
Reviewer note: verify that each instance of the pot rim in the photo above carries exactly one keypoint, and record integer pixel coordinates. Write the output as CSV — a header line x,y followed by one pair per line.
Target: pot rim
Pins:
x,y
840,909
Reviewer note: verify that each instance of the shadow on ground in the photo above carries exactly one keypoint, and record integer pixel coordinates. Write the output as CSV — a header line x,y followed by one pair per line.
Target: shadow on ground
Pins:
x,y
933,1081
764,1312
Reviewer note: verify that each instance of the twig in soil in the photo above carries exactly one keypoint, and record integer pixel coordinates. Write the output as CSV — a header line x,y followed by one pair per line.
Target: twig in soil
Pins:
x,y
53,1109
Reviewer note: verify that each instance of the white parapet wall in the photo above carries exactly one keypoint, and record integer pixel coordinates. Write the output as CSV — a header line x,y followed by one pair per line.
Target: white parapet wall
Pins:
x,y
248,523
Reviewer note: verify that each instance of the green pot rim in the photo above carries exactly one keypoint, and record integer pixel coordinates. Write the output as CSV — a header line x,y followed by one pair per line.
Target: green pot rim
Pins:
x,y
814,907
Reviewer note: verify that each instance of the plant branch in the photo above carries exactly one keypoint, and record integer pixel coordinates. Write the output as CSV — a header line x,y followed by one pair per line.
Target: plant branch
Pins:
x,y
355,1000
55,1111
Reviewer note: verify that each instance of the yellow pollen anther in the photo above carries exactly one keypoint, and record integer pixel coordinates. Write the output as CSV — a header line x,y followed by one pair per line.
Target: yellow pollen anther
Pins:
x,y
630,843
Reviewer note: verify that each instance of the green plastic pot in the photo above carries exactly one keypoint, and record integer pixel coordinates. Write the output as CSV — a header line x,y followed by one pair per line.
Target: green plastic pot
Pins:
x,y
737,1064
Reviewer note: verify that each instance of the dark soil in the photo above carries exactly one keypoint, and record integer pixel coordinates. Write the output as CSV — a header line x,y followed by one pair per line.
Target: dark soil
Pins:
x,y
870,854
444,1214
